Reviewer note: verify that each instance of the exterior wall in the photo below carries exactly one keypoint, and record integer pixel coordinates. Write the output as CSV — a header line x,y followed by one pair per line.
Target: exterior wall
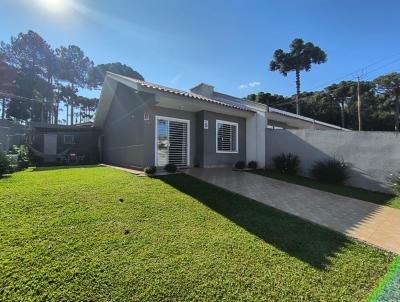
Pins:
x,y
150,132
255,132
372,156
207,155
11,133
85,142
123,132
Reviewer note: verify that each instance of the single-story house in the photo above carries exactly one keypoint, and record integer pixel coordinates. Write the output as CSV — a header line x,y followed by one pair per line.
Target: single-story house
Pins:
x,y
144,124
11,133
59,143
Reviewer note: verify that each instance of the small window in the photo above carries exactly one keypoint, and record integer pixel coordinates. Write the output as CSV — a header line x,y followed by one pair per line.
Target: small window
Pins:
x,y
69,139
227,137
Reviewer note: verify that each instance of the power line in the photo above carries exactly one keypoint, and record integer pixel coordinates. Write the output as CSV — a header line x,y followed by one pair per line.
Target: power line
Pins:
x,y
360,70
21,98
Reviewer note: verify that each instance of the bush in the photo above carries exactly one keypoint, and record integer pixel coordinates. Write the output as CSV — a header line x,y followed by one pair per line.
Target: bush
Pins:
x,y
252,164
150,170
330,171
4,163
12,163
287,163
240,165
23,156
171,168
394,183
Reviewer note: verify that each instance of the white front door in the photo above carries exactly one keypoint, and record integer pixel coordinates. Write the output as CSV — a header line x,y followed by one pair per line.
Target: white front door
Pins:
x,y
172,141
50,144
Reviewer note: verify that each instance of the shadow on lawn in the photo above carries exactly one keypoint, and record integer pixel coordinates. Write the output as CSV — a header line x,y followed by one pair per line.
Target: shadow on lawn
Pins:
x,y
306,241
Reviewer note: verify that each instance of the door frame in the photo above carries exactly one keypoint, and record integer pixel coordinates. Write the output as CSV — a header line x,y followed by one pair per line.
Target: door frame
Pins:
x,y
159,117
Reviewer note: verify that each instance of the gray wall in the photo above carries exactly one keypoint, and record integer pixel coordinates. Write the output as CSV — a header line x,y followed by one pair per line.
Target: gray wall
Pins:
x,y
123,131
207,155
11,133
371,156
85,142
149,131
128,140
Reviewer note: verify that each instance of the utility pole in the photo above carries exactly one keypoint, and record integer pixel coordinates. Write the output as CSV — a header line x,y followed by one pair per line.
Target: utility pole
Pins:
x,y
359,104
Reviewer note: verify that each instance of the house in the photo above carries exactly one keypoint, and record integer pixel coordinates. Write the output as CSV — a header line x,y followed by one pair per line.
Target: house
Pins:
x,y
145,124
51,143
11,133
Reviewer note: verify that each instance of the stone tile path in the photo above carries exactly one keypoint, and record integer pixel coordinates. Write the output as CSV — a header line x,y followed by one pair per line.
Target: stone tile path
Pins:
x,y
374,224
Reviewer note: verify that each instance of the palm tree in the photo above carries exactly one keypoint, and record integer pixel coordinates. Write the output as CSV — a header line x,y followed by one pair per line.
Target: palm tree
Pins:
x,y
300,57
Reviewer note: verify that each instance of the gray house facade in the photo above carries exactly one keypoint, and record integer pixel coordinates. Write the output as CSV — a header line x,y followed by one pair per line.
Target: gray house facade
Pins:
x,y
144,124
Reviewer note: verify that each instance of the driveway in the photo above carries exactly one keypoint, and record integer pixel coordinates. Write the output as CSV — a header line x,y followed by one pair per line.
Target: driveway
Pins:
x,y
374,224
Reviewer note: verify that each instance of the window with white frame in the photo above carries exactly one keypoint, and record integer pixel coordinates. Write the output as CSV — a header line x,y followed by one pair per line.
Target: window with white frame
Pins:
x,y
69,139
227,135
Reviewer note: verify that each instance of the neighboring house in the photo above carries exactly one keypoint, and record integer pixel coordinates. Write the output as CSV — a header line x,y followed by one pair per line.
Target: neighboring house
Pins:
x,y
11,133
56,143
144,124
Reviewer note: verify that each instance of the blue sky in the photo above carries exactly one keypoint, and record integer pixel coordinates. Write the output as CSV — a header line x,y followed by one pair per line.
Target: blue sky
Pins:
x,y
228,44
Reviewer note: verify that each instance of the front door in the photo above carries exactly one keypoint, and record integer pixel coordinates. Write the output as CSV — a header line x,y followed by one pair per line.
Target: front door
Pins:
x,y
172,141
50,144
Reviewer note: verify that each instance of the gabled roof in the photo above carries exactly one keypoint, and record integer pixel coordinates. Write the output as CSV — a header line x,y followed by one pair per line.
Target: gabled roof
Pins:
x,y
183,93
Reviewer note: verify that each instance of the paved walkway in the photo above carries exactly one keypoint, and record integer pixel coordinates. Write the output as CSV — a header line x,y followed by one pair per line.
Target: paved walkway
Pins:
x,y
374,224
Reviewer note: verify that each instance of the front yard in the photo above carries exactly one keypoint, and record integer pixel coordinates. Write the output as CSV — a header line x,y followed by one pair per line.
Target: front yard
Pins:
x,y
98,234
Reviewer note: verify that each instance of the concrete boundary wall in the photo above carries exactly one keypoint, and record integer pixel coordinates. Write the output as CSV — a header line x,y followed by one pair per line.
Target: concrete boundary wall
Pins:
x,y
371,156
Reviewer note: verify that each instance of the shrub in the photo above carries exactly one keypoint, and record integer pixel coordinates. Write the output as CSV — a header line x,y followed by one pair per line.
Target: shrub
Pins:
x,y
252,164
171,168
4,163
150,170
287,163
240,165
23,156
12,163
330,171
394,183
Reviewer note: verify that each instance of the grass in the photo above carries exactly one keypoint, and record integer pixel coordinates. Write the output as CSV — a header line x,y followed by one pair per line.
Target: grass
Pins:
x,y
370,196
98,234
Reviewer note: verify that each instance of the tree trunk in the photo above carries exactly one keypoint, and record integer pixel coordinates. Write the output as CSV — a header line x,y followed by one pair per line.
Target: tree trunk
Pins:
x,y
3,109
67,114
72,115
397,114
342,113
297,91
56,113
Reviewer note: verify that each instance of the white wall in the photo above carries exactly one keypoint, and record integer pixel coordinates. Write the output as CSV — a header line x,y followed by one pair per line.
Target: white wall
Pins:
x,y
255,138
372,156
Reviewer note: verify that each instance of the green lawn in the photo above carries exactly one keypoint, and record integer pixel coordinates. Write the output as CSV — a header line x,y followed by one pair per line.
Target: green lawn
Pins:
x,y
98,234
374,197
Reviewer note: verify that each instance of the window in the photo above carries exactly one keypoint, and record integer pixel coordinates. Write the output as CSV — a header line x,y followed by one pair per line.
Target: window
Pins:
x,y
69,139
227,137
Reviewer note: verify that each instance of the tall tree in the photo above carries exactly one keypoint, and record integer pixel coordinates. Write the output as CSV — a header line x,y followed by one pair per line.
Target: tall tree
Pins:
x,y
7,84
96,74
28,54
300,57
341,94
74,69
390,85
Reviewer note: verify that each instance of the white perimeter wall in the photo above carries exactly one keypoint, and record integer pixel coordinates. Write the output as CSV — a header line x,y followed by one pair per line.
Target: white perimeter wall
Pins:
x,y
255,138
371,156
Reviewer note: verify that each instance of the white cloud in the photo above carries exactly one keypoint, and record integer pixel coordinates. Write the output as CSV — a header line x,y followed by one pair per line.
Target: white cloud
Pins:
x,y
251,85
254,84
